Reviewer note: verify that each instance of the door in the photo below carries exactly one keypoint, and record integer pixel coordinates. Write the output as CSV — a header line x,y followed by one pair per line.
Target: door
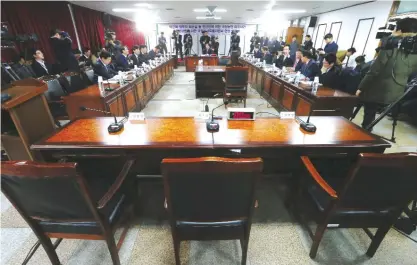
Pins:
x,y
321,31
363,29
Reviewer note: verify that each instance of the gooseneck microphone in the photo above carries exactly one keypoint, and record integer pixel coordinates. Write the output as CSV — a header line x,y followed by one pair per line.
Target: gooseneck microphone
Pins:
x,y
206,107
113,127
307,126
212,125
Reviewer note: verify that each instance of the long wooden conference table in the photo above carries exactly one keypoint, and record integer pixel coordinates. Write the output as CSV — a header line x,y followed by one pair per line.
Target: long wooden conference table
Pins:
x,y
279,142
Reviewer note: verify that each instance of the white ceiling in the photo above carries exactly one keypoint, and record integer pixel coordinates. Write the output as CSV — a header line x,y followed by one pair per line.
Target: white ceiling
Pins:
x,y
237,11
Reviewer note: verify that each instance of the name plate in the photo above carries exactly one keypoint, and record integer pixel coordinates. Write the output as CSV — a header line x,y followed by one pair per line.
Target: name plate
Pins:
x,y
202,115
287,115
136,116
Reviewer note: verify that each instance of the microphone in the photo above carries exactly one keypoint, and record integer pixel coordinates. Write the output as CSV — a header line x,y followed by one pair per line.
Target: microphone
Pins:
x,y
206,107
212,125
113,127
307,126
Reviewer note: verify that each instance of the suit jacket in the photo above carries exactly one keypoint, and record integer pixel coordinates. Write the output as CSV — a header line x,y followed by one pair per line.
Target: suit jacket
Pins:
x,y
64,54
332,77
310,70
39,70
267,57
293,48
308,44
255,40
298,66
204,40
151,55
179,39
188,40
264,41
331,47
87,61
287,62
257,54
23,71
135,59
122,63
102,70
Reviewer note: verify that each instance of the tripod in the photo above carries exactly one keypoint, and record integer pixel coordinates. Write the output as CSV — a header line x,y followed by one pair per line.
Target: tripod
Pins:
x,y
395,108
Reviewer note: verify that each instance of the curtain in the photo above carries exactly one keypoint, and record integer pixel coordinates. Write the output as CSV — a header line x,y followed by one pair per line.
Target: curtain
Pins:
x,y
39,18
90,27
126,32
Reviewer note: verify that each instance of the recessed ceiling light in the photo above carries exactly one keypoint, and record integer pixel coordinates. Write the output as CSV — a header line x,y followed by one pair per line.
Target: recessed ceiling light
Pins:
x,y
202,10
169,9
290,11
249,9
209,18
143,5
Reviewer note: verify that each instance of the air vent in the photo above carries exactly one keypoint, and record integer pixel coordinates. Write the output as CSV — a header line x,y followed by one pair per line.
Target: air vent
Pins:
x,y
177,17
250,10
169,9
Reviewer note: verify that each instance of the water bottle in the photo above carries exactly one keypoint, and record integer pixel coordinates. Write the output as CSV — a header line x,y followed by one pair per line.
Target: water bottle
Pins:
x,y
100,83
264,63
297,78
120,77
315,85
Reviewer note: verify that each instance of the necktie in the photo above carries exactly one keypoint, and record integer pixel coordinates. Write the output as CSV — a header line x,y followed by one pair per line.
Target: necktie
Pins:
x,y
44,67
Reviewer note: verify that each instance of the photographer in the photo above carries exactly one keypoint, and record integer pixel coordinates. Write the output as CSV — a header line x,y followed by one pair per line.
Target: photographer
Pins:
x,y
188,43
215,44
204,40
61,44
177,37
387,77
162,42
255,40
234,41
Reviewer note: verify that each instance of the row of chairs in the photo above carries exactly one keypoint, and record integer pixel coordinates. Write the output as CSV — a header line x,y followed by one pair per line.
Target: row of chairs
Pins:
x,y
208,198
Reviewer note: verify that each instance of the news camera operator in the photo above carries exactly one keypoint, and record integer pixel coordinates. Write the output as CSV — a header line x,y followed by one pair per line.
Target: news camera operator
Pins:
x,y
234,41
61,44
177,37
188,43
387,77
113,46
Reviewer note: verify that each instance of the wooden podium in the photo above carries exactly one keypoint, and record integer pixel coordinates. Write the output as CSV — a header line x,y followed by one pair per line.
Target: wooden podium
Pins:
x,y
191,62
25,118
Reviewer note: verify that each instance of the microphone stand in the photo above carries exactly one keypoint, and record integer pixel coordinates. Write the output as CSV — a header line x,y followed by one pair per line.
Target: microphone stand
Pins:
x,y
212,125
113,127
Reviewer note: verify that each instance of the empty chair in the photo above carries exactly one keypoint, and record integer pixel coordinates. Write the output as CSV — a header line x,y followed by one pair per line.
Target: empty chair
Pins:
x,y
237,83
210,198
373,194
58,200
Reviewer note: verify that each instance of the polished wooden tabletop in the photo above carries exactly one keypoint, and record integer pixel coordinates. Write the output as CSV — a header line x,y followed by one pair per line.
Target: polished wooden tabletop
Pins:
x,y
180,132
210,69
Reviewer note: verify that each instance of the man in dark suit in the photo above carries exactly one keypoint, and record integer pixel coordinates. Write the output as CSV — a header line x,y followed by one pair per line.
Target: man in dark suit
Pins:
x,y
154,52
331,46
204,40
234,41
122,61
135,56
61,44
188,43
102,67
330,73
162,42
293,47
309,69
208,50
143,56
308,44
298,62
282,42
284,60
257,53
255,40
178,43
86,57
39,66
264,41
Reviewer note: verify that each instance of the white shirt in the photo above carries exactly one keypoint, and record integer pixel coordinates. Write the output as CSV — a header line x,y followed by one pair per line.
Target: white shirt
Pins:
x,y
349,61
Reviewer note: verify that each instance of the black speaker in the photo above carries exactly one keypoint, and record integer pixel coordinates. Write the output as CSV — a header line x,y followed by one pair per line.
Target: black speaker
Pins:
x,y
107,20
313,21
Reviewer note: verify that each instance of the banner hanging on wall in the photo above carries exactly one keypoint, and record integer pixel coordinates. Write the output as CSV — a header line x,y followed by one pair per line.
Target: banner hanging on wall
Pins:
x,y
219,29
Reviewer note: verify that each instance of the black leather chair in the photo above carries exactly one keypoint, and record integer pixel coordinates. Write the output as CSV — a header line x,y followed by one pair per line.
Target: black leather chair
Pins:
x,y
236,83
373,194
69,200
210,198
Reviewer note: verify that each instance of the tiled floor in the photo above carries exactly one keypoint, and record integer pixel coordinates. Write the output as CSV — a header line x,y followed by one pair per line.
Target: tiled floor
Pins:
x,y
275,237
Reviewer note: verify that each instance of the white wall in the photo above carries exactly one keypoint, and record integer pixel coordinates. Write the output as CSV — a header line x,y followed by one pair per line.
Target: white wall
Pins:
x,y
350,16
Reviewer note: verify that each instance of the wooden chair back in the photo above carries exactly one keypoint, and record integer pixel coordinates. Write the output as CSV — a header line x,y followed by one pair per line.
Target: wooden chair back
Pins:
x,y
210,189
380,182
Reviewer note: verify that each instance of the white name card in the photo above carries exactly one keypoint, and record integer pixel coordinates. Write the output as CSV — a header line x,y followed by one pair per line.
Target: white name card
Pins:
x,y
202,115
136,116
287,115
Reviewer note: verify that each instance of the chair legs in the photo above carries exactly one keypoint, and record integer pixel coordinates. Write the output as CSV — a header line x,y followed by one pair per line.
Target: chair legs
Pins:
x,y
376,241
177,245
317,239
244,245
111,244
50,250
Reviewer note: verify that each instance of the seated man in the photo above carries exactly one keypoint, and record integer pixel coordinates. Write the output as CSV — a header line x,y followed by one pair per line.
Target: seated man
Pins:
x,y
266,55
102,67
330,72
153,53
85,58
22,68
207,49
135,55
284,60
309,69
257,53
122,61
298,63
39,66
143,56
